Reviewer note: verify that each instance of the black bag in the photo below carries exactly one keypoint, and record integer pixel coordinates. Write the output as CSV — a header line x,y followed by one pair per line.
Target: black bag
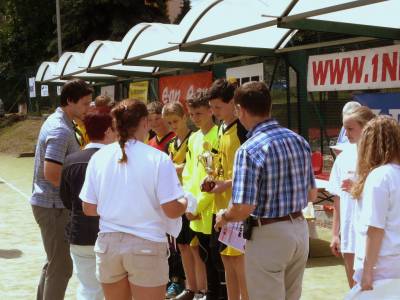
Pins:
x,y
248,228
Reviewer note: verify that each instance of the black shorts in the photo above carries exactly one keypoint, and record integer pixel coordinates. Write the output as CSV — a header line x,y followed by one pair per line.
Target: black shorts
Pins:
x,y
187,234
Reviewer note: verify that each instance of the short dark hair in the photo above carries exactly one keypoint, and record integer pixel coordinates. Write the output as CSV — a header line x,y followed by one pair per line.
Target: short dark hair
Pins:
x,y
155,107
199,100
97,121
73,90
254,97
222,89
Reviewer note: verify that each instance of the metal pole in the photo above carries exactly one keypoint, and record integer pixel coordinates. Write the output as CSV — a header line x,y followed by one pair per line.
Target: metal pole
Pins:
x,y
58,28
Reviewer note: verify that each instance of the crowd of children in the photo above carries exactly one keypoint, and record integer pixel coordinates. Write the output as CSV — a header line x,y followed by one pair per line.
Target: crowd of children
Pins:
x,y
208,265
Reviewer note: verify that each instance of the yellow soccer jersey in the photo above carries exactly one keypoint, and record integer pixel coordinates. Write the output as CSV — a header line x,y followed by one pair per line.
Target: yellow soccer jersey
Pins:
x,y
178,152
229,140
81,135
193,175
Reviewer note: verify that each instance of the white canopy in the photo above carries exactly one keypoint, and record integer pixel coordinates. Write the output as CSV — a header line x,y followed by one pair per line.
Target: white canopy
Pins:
x,y
256,27
48,72
100,57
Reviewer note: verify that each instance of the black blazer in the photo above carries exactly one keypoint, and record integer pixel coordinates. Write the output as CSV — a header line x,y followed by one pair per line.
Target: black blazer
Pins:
x,y
81,230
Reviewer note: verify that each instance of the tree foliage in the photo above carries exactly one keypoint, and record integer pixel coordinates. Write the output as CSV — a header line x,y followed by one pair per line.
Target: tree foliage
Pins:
x,y
28,34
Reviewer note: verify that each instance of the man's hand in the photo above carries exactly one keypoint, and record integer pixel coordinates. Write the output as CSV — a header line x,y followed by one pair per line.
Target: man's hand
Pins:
x,y
220,221
221,186
335,245
366,280
192,217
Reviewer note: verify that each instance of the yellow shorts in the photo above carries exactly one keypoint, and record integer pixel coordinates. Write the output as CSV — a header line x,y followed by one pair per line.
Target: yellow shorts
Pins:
x,y
194,242
229,251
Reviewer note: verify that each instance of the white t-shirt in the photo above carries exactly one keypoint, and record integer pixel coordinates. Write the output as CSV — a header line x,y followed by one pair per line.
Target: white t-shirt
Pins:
x,y
380,207
128,195
345,168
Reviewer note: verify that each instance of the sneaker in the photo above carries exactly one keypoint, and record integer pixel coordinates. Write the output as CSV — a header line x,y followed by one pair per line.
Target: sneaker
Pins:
x,y
185,295
173,290
200,296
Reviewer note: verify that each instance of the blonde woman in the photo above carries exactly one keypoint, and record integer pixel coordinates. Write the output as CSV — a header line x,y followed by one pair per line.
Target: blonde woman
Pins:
x,y
340,182
377,252
136,192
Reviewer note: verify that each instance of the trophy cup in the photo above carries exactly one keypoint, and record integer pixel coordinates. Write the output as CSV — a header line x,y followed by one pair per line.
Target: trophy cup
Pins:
x,y
208,160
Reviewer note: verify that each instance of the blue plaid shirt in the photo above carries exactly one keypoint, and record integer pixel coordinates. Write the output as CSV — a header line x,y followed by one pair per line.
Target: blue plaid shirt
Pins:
x,y
273,171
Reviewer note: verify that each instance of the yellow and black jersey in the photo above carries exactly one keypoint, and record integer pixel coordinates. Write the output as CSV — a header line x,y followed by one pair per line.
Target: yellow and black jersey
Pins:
x,y
80,134
177,152
230,137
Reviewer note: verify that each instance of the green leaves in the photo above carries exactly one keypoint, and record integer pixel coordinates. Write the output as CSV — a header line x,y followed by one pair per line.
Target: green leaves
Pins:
x,y
28,34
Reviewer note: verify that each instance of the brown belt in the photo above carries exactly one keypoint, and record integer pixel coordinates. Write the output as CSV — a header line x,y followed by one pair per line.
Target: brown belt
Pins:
x,y
266,221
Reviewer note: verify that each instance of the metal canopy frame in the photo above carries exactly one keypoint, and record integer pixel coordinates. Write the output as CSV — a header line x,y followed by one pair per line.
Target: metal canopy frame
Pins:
x,y
344,28
161,63
285,18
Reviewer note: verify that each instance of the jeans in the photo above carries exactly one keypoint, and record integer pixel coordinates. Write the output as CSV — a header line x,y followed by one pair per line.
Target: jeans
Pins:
x,y
84,260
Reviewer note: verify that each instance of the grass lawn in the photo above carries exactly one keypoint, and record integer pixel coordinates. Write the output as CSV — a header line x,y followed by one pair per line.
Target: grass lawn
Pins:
x,y
20,137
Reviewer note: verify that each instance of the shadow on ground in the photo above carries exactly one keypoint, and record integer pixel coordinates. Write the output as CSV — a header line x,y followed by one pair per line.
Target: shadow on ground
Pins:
x,y
10,254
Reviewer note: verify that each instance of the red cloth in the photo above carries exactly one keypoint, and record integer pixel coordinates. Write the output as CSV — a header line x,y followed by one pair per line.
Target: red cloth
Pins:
x,y
162,143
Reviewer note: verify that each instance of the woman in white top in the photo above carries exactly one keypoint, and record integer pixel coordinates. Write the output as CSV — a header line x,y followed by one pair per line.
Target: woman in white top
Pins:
x,y
136,192
377,253
340,182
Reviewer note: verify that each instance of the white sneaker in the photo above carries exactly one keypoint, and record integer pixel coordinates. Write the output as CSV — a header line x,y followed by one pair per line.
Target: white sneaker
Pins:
x,y
199,296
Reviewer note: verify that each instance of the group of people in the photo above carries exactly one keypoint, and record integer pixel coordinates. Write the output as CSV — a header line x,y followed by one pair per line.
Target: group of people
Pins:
x,y
140,213
364,180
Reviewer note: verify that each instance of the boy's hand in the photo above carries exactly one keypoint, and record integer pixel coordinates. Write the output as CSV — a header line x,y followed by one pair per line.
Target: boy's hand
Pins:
x,y
207,185
220,186
192,217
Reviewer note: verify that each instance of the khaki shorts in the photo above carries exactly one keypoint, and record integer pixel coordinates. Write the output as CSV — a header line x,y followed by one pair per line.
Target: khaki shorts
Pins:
x,y
120,255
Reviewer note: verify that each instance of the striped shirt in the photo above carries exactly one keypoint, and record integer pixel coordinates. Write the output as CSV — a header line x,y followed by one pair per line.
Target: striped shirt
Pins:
x,y
273,171
56,140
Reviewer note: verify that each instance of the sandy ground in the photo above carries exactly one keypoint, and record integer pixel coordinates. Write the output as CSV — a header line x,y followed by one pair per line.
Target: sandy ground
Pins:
x,y
22,254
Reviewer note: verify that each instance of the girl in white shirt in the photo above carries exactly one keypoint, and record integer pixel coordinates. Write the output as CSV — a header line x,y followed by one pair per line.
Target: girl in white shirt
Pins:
x,y
377,253
136,192
340,182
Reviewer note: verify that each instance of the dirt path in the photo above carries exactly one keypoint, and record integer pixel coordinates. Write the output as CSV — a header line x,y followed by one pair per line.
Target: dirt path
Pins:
x,y
22,254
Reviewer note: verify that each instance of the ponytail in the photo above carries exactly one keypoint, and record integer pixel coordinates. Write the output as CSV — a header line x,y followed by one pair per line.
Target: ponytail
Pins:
x,y
127,116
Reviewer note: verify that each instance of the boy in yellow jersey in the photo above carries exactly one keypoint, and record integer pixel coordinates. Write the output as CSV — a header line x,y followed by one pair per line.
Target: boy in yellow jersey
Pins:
x,y
192,176
80,133
231,135
176,117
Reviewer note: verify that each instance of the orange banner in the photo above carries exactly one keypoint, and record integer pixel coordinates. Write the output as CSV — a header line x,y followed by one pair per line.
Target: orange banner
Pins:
x,y
182,87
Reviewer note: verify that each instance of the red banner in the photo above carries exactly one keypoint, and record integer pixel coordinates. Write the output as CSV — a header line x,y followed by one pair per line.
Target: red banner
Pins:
x,y
182,87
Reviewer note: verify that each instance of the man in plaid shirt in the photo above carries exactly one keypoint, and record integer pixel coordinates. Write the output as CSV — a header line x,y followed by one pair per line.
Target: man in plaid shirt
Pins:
x,y
273,181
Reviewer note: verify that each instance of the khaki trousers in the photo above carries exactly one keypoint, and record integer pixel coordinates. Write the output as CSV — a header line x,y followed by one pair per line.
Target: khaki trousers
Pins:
x,y
58,269
275,260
